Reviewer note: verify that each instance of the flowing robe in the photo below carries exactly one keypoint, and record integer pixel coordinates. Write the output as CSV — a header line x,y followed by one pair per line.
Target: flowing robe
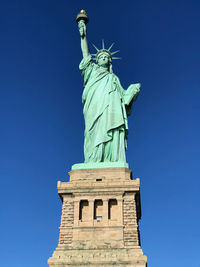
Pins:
x,y
106,107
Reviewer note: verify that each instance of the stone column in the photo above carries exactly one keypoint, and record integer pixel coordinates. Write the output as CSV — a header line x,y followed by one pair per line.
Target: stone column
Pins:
x,y
120,210
76,211
105,211
91,212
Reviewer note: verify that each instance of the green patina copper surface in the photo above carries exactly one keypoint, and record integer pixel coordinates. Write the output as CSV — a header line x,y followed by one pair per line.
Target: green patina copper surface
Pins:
x,y
106,106
99,165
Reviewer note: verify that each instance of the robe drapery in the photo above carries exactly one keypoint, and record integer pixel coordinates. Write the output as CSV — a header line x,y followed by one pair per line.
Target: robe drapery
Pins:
x,y
106,107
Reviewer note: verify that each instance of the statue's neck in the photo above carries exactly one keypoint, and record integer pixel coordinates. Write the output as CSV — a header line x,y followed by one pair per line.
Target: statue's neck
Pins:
x,y
104,67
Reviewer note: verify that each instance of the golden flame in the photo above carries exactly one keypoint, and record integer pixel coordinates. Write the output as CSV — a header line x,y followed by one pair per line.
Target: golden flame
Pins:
x,y
82,11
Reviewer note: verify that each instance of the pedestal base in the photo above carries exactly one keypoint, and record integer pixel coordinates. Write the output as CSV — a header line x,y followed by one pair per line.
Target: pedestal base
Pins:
x,y
99,222
98,257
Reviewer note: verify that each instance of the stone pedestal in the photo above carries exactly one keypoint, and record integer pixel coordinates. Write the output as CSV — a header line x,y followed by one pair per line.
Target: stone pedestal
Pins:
x,y
99,223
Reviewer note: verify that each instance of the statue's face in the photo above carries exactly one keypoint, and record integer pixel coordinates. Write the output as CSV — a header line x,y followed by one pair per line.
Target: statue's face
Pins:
x,y
103,60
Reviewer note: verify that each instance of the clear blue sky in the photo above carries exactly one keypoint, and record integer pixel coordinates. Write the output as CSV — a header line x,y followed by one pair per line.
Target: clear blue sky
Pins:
x,y
42,123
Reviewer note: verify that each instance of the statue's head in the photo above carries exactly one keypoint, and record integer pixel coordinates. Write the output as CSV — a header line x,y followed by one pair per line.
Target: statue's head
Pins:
x,y
104,56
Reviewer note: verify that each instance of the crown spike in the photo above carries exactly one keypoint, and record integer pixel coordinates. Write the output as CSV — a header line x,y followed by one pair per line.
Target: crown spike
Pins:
x,y
111,46
95,47
115,52
103,46
116,58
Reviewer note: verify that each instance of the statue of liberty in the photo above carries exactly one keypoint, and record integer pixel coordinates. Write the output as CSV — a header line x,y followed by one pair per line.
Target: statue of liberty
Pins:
x,y
106,104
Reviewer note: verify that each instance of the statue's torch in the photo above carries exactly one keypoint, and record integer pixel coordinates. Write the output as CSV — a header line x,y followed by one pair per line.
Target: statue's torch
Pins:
x,y
82,16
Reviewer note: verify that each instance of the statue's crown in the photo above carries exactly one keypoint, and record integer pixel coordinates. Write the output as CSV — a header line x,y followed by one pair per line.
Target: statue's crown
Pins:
x,y
99,51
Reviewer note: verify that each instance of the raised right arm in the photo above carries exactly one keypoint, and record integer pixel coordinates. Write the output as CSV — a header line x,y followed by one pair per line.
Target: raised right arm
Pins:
x,y
84,42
